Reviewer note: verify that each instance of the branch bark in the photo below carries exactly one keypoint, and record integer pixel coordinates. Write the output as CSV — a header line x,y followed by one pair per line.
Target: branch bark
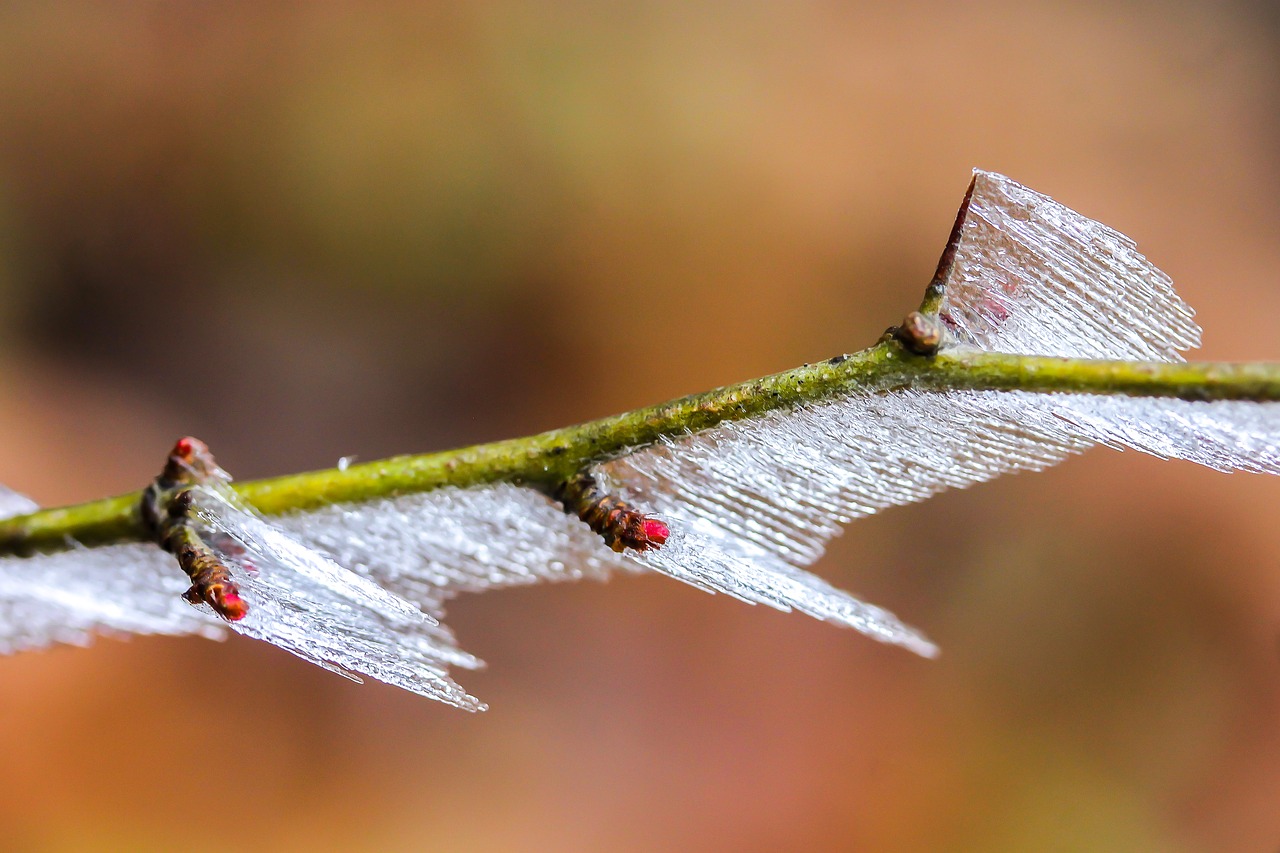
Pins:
x,y
543,460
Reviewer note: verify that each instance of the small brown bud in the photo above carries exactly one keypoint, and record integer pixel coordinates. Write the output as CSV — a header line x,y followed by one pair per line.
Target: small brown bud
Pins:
x,y
920,333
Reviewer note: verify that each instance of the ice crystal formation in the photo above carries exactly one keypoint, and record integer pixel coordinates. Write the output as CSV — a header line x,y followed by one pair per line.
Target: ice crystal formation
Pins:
x,y
360,588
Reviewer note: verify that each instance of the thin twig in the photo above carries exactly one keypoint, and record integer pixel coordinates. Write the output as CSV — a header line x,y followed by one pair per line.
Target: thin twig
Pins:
x,y
551,457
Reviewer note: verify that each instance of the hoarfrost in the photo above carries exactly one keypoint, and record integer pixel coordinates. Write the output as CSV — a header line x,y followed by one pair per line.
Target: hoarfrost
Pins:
x,y
70,596
301,601
769,493
749,503
305,603
1033,277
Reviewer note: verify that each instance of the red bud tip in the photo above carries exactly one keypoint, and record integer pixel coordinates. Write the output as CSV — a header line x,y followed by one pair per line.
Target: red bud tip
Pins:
x,y
655,531
232,607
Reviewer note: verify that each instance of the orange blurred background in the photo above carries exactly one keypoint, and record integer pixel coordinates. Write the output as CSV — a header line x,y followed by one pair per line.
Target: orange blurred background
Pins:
x,y
300,231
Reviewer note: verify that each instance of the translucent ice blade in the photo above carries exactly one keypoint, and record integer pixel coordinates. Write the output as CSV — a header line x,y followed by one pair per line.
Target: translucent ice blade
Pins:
x,y
433,546
263,545
12,503
1031,276
1224,435
70,596
761,498
699,554
430,547
751,503
306,603
1024,274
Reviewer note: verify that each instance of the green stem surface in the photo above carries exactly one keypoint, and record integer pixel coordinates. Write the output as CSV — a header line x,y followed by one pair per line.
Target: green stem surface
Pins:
x,y
550,457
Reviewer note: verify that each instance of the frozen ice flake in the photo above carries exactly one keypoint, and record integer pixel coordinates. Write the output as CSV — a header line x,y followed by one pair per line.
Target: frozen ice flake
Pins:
x,y
12,503
757,501
306,603
70,596
360,588
1226,435
431,546
1031,276
761,498
298,600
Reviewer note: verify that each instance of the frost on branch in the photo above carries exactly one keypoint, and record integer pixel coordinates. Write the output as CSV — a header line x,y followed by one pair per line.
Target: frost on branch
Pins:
x,y
749,504
308,604
70,596
301,601
1031,276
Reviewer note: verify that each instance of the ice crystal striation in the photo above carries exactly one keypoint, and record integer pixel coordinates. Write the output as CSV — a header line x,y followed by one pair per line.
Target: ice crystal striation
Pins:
x,y
432,546
302,602
1033,277
751,503
70,596
306,603
757,500
359,588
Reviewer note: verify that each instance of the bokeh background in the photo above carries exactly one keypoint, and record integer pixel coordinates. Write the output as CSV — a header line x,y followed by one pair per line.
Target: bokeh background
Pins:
x,y
302,231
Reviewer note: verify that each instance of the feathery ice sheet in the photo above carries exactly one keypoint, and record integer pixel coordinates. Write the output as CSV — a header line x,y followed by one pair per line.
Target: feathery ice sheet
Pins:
x,y
359,588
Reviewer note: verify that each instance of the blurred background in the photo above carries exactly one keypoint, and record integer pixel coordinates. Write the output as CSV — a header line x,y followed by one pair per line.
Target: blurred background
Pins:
x,y
301,231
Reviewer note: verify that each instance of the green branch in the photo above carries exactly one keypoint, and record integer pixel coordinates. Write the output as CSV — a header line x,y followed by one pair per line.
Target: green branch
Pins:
x,y
546,459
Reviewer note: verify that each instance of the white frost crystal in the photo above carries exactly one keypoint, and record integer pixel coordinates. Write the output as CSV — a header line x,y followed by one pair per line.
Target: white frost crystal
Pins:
x,y
749,503
70,596
308,604
1030,276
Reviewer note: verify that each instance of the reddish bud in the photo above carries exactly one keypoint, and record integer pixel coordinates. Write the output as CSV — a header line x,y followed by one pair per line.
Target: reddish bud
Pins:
x,y
655,531
232,607
225,599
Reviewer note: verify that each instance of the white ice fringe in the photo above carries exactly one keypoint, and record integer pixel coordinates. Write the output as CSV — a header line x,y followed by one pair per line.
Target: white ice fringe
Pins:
x,y
306,603
302,602
749,503
1033,277
71,596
